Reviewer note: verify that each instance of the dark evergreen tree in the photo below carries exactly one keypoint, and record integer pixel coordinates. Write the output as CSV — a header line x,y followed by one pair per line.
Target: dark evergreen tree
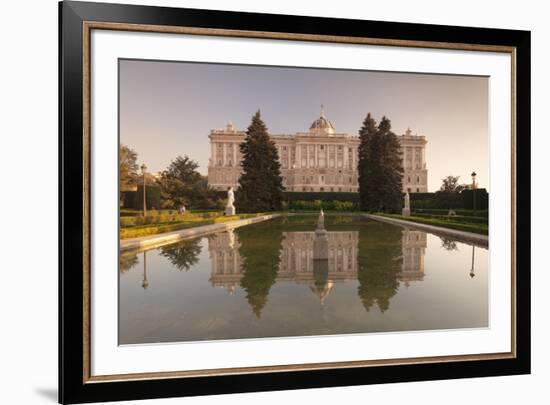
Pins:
x,y
391,169
380,167
365,166
260,184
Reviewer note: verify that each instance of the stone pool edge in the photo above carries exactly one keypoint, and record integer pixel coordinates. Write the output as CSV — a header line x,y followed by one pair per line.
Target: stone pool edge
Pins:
x,y
438,230
154,241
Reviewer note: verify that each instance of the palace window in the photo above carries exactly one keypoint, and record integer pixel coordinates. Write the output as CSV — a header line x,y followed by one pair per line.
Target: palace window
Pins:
x,y
322,189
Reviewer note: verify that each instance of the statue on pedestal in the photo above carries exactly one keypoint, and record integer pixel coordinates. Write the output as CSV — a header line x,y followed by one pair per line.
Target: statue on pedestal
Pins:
x,y
230,208
407,208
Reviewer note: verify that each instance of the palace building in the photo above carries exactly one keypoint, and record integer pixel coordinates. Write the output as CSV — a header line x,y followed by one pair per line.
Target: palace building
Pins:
x,y
320,160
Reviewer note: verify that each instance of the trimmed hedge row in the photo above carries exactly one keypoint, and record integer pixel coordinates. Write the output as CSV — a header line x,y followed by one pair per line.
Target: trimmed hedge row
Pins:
x,y
475,228
316,205
323,196
134,199
443,200
455,218
154,229
478,213
126,222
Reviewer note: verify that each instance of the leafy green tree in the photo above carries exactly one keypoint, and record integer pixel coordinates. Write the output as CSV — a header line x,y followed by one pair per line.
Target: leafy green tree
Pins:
x,y
181,184
365,167
127,168
450,185
260,185
380,167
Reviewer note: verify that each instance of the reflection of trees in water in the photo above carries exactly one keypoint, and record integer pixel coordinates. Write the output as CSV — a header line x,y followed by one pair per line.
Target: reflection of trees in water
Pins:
x,y
259,251
448,244
126,262
380,263
184,254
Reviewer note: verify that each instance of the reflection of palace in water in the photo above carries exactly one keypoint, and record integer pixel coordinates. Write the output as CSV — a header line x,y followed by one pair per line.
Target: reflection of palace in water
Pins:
x,y
414,249
297,263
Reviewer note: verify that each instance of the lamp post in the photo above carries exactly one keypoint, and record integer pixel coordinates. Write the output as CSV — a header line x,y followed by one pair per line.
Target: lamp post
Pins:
x,y
143,171
474,174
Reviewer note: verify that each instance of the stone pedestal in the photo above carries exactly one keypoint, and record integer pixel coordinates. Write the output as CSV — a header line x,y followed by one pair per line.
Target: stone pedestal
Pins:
x,y
406,212
229,211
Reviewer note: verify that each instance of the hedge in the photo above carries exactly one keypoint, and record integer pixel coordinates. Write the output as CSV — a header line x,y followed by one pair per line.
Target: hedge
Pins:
x,y
475,228
455,218
323,196
460,212
134,199
316,205
155,218
154,229
443,200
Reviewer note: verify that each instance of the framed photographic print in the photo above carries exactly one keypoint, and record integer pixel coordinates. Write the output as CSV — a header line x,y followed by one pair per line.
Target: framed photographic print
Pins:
x,y
255,202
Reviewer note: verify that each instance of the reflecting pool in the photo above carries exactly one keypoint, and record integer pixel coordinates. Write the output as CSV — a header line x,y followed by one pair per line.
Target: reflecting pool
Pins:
x,y
263,280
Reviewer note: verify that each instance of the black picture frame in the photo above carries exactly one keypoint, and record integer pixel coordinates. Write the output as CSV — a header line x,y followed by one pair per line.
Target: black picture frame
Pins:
x,y
73,387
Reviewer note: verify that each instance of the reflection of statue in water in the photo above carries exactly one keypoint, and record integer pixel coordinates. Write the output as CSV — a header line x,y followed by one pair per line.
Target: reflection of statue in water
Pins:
x,y
321,285
230,208
320,243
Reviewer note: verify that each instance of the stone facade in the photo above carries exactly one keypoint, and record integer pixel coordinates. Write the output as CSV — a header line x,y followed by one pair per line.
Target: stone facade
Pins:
x,y
320,160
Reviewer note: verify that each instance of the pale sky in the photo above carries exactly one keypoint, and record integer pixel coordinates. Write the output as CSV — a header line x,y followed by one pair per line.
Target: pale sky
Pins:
x,y
168,109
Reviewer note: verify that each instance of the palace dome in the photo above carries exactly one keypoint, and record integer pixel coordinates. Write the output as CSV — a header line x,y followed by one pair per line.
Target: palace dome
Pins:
x,y
322,126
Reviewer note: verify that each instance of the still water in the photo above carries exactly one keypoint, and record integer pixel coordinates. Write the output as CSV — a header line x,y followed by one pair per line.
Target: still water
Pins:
x,y
262,281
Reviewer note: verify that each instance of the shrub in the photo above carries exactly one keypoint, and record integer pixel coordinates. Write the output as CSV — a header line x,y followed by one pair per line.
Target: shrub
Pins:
x,y
170,216
316,205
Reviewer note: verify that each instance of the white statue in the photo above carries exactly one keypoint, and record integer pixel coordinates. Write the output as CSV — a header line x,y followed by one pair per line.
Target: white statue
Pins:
x,y
230,197
230,208
407,208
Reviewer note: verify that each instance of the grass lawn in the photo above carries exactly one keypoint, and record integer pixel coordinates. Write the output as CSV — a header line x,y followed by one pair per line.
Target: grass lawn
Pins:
x,y
189,222
453,223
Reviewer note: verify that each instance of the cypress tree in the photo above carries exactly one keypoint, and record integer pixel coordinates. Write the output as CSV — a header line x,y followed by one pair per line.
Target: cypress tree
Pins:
x,y
391,168
380,167
365,165
260,184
